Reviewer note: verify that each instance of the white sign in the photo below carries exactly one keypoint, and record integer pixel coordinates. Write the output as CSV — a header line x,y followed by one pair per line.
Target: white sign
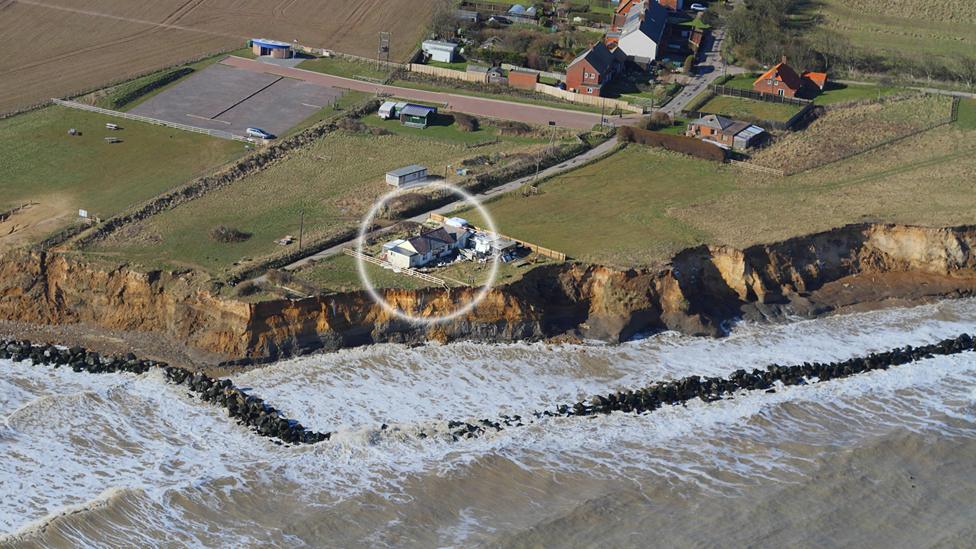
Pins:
x,y
83,213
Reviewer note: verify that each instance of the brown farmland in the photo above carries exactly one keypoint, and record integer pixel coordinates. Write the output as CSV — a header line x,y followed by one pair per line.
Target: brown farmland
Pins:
x,y
55,48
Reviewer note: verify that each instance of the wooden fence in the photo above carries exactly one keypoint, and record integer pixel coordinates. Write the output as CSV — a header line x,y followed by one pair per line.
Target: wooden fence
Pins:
x,y
6,215
750,94
552,254
387,265
592,100
128,116
441,72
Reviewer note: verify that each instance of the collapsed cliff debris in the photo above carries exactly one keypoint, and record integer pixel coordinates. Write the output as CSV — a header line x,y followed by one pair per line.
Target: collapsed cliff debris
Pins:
x,y
267,421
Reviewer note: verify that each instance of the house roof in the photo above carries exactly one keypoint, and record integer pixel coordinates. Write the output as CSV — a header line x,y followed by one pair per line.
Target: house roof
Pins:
x,y
418,110
727,125
599,57
406,170
443,44
784,73
818,78
648,18
715,121
425,242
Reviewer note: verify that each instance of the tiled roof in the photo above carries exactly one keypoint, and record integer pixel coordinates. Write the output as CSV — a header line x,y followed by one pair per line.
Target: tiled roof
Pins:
x,y
784,73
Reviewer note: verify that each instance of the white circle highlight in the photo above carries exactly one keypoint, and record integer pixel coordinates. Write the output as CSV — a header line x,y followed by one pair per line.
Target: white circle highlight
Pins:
x,y
380,300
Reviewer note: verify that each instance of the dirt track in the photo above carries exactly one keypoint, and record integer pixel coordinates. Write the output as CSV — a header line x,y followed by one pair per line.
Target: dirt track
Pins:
x,y
55,48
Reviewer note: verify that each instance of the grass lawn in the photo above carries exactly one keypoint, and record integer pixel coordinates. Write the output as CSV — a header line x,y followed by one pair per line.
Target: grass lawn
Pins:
x,y
334,182
967,114
456,66
741,107
642,205
615,210
444,129
347,68
835,92
41,162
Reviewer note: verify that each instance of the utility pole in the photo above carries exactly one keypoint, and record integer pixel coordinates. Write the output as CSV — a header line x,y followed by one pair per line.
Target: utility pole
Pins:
x,y
301,230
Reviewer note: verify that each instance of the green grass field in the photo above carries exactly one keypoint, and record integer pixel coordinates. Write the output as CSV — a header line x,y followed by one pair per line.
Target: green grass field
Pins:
x,y
347,68
334,182
642,205
967,114
41,162
740,107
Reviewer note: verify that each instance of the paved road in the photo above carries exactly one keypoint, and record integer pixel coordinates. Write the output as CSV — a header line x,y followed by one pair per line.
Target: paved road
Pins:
x,y
479,106
706,72
571,164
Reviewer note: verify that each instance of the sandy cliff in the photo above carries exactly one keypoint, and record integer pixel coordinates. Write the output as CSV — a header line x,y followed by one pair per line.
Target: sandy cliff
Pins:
x,y
698,293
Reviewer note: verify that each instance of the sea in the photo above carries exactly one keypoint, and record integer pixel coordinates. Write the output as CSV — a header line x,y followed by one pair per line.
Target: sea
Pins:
x,y
883,459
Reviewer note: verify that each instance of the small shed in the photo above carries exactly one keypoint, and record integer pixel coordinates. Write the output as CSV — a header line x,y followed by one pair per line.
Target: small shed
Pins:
x,y
387,110
491,75
406,175
417,116
440,50
272,48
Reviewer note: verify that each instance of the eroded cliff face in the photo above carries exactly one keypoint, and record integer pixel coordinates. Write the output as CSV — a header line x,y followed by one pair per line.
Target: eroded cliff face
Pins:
x,y
698,293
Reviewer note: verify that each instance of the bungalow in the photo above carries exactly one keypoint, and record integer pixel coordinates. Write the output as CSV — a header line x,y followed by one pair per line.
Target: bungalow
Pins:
x,y
591,70
439,50
725,132
642,32
417,116
420,250
783,81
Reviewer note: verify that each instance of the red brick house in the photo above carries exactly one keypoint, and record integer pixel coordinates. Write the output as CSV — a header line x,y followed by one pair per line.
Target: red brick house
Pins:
x,y
589,72
783,81
725,132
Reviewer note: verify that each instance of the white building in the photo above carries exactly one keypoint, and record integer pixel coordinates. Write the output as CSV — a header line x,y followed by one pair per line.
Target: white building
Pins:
x,y
642,32
406,175
429,246
440,50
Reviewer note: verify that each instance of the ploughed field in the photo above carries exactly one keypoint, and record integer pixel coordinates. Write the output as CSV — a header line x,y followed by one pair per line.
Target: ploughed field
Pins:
x,y
54,48
641,205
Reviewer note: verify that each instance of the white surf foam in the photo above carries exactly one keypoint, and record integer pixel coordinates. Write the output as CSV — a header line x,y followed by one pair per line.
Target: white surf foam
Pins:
x,y
139,433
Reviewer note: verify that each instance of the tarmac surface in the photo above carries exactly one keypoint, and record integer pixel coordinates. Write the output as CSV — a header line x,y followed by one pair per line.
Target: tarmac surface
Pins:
x,y
222,97
478,106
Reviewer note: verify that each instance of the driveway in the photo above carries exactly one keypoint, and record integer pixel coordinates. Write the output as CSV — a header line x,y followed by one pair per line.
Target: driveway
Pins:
x,y
478,106
707,71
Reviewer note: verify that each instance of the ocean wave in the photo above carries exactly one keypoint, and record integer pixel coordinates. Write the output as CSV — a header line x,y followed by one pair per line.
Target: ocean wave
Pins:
x,y
181,455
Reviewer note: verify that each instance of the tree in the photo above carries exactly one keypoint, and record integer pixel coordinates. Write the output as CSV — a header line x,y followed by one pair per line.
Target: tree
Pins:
x,y
689,64
964,68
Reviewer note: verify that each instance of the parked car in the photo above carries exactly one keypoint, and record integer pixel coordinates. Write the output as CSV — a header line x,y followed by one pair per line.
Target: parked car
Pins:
x,y
258,133
698,7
